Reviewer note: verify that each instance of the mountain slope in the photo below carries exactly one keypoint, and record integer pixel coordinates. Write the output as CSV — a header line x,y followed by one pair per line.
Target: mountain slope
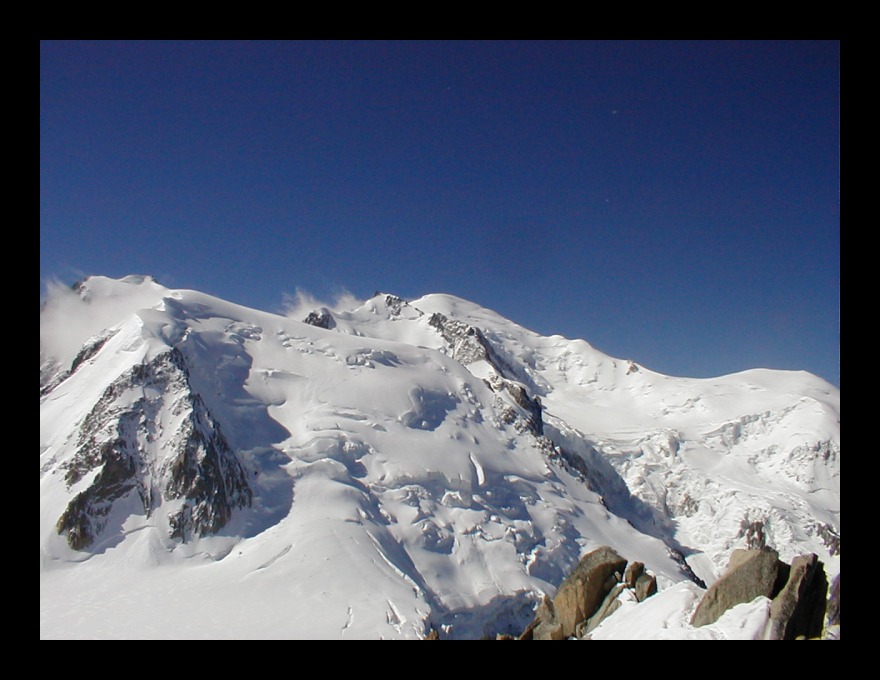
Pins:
x,y
208,470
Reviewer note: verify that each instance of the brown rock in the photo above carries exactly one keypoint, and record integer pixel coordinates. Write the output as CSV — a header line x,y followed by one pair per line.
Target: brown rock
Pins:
x,y
799,608
633,571
609,606
751,573
579,596
646,585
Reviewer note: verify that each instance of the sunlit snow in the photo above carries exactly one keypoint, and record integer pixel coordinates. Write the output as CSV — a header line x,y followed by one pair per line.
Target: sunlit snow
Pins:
x,y
394,494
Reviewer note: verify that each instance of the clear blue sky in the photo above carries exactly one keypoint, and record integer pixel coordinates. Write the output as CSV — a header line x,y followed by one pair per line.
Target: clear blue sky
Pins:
x,y
675,203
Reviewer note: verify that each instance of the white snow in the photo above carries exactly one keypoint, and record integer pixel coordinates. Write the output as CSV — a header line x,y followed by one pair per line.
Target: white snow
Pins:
x,y
390,493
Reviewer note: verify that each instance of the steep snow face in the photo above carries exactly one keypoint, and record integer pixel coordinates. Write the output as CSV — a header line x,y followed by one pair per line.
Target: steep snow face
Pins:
x,y
396,467
708,465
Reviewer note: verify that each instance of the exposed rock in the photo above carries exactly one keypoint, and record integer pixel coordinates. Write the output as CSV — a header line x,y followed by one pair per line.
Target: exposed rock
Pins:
x,y
679,558
750,574
646,585
754,535
799,608
526,413
321,318
394,303
609,606
578,598
52,374
115,439
84,516
632,573
830,537
834,603
467,343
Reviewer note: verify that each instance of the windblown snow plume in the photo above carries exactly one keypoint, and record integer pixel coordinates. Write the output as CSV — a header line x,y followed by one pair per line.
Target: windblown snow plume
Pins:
x,y
388,468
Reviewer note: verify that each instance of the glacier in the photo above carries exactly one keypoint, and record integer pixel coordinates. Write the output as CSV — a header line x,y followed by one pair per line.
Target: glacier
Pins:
x,y
377,472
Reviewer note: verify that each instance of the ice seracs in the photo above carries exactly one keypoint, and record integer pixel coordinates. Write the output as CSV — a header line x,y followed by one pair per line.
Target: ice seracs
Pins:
x,y
388,469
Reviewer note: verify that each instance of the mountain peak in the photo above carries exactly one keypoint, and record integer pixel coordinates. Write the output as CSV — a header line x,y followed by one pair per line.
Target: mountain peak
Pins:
x,y
455,461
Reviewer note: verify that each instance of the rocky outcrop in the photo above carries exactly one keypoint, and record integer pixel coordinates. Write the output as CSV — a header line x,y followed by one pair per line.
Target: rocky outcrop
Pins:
x,y
799,608
834,603
397,306
321,318
52,374
646,585
467,343
125,447
586,597
609,606
750,574
516,406
797,592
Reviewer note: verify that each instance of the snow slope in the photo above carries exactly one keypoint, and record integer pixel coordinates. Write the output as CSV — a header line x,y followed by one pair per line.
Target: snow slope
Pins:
x,y
415,465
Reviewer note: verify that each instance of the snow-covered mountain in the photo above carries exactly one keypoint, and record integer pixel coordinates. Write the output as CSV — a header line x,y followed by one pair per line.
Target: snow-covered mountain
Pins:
x,y
208,470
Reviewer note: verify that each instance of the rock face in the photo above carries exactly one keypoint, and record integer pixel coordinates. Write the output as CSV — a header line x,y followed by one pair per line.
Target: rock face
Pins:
x,y
607,608
834,603
321,318
797,591
151,438
750,574
646,585
799,608
52,375
587,596
467,343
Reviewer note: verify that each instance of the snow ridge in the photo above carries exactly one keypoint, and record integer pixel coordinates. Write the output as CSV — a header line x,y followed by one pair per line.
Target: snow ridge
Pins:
x,y
382,471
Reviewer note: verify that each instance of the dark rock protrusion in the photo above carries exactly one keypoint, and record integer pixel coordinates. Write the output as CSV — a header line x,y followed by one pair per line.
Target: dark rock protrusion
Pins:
x,y
646,585
632,573
679,558
754,535
799,608
578,598
321,318
830,537
607,608
834,603
750,574
52,375
116,439
797,591
468,343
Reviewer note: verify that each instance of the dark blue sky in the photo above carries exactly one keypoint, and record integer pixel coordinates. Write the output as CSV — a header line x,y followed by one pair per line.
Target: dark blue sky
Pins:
x,y
675,203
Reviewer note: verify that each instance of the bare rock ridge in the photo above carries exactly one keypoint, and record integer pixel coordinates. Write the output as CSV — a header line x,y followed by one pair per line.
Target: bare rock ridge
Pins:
x,y
124,450
321,318
797,592
588,595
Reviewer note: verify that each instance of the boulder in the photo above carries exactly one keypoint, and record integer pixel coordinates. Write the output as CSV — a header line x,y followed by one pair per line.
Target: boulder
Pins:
x,y
750,574
321,318
632,573
607,608
579,596
799,608
646,585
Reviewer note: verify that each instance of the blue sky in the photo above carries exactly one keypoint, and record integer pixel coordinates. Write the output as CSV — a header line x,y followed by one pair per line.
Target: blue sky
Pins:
x,y
674,203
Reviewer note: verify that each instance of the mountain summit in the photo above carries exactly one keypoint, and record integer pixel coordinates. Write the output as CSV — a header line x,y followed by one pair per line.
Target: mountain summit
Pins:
x,y
209,470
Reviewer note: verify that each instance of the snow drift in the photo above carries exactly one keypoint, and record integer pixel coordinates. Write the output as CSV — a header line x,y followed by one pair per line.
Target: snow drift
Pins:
x,y
213,471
